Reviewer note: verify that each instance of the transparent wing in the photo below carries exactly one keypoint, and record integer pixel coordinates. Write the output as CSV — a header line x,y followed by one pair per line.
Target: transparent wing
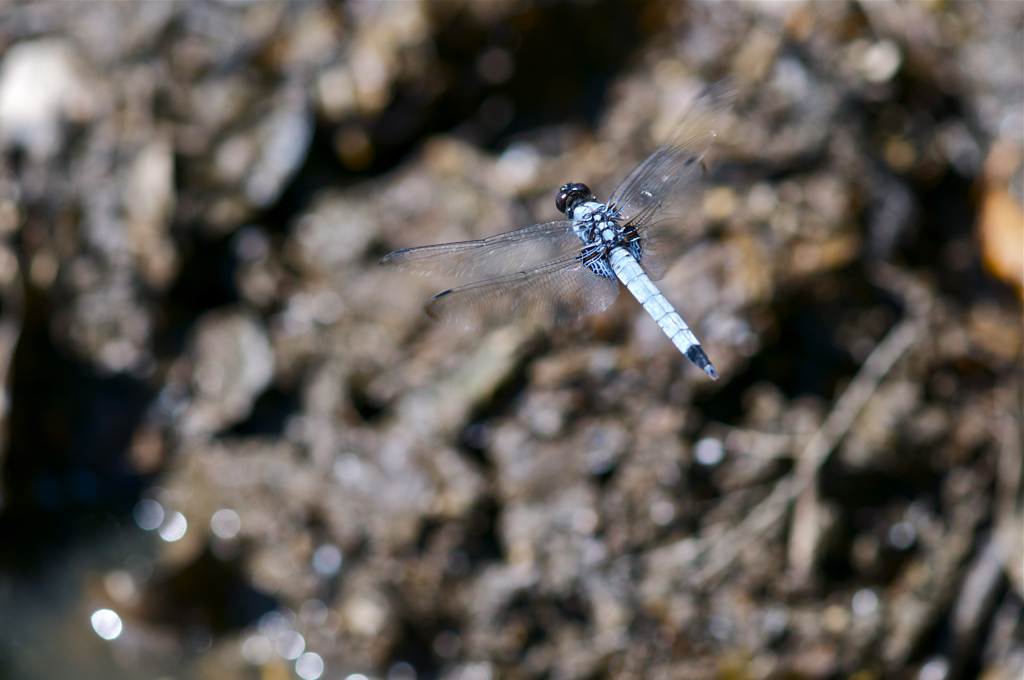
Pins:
x,y
555,293
665,236
672,171
674,166
508,252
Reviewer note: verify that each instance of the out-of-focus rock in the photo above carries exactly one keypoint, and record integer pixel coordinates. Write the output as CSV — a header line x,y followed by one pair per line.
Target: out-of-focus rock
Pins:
x,y
283,141
42,86
234,363
149,203
1000,225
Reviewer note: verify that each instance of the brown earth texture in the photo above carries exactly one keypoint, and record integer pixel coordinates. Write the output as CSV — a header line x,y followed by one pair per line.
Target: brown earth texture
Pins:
x,y
234,447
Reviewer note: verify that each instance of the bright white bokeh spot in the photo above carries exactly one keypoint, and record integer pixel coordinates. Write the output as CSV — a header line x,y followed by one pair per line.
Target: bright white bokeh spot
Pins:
x,y
309,666
881,61
257,650
356,676
477,671
173,527
148,514
865,602
709,451
106,623
290,644
936,669
327,559
225,523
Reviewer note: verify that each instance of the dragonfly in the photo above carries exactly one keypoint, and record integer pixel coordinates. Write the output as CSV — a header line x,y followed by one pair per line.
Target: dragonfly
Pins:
x,y
557,272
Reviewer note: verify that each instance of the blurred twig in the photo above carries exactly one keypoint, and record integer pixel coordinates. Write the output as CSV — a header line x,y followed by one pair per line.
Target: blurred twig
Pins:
x,y
800,485
805,529
1009,504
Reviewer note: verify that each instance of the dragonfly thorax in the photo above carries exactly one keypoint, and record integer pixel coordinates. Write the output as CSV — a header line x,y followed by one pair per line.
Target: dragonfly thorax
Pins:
x,y
591,212
601,232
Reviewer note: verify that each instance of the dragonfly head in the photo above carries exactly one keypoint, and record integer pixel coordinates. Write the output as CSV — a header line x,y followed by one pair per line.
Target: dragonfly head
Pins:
x,y
570,195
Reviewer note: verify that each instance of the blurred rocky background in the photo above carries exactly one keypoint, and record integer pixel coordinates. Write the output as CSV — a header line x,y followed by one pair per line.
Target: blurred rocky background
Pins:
x,y
234,447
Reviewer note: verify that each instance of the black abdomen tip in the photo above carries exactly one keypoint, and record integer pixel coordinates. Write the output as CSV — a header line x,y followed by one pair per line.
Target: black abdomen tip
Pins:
x,y
701,361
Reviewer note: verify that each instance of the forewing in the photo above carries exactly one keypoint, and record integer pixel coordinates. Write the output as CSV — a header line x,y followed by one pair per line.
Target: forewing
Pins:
x,y
675,167
555,293
493,256
664,240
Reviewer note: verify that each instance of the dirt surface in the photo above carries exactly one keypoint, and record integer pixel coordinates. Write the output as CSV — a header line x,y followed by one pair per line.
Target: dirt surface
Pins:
x,y
238,448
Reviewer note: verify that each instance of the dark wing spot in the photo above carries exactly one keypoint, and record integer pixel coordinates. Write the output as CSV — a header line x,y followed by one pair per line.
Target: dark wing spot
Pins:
x,y
431,309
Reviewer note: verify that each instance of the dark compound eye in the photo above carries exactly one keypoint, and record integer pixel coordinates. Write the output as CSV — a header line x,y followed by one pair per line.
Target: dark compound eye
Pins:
x,y
562,197
569,194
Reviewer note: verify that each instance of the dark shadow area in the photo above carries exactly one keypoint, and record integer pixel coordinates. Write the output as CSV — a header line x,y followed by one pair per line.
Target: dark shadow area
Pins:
x,y
208,594
554,80
481,544
414,646
66,470
206,281
269,414
802,355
